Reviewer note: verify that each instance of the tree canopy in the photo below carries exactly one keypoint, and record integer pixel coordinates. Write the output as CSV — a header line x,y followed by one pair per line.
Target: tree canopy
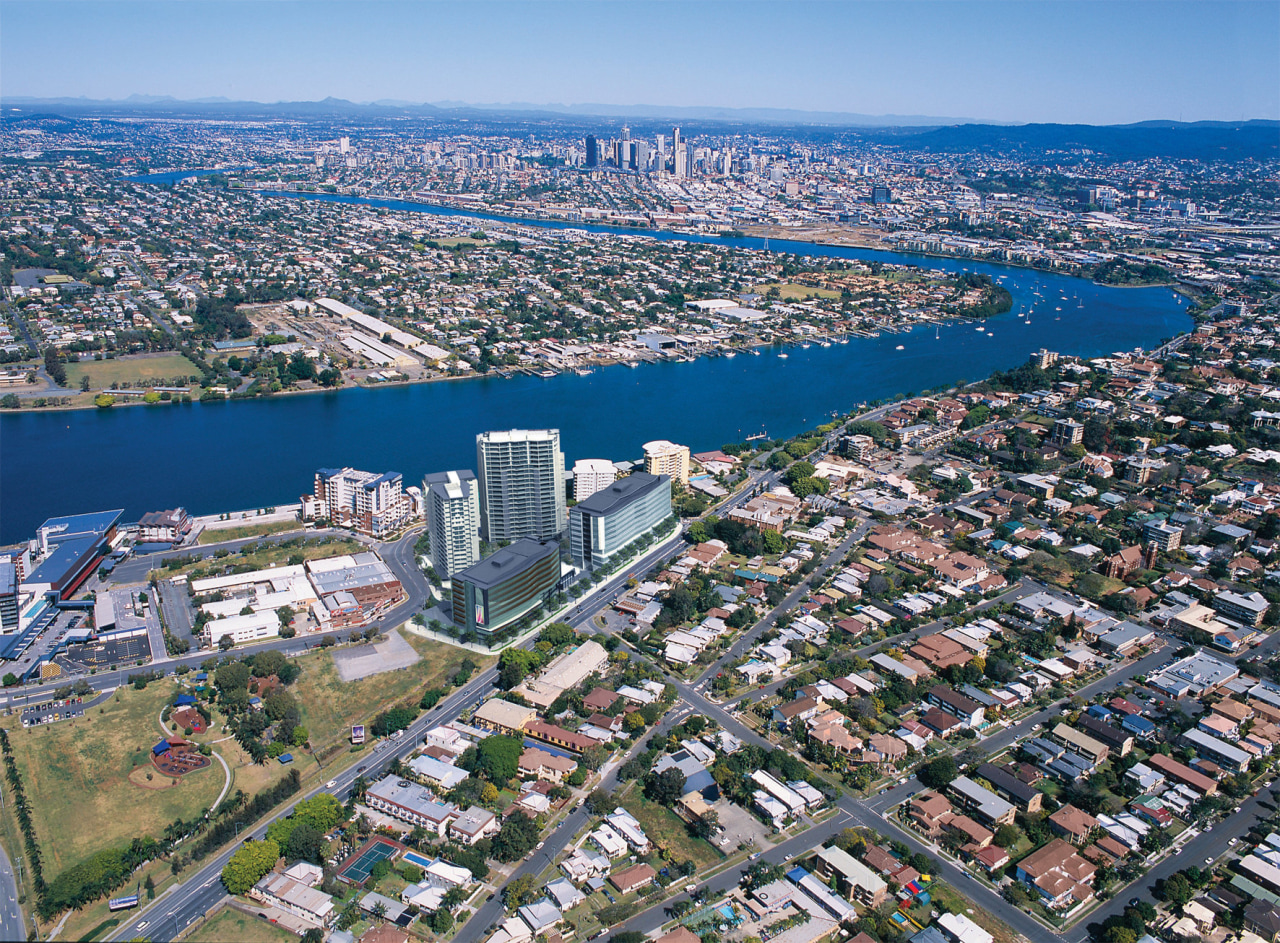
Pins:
x,y
250,862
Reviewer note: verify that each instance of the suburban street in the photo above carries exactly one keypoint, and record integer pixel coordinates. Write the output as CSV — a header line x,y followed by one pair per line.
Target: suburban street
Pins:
x,y
202,891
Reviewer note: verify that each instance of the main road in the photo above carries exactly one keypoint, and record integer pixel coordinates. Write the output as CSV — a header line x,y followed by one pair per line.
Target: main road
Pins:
x,y
202,891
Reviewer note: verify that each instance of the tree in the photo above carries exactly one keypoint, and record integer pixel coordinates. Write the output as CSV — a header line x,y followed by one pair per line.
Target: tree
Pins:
x,y
1006,836
250,862
442,921
1176,890
516,838
84,383
306,843
600,801
706,824
557,633
498,757
519,891
389,721
489,794
666,787
322,811
762,873
938,773
10,679
54,366
514,665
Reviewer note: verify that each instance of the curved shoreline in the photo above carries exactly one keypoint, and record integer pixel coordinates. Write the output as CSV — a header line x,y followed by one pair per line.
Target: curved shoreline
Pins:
x,y
655,232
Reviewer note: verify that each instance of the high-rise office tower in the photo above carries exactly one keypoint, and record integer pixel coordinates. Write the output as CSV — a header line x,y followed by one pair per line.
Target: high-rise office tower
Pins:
x,y
641,151
677,146
453,520
521,484
344,145
593,151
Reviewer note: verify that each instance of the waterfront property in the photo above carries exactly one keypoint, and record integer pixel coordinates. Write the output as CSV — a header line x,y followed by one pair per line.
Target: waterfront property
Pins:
x,y
501,588
453,520
666,458
590,475
522,490
371,503
615,517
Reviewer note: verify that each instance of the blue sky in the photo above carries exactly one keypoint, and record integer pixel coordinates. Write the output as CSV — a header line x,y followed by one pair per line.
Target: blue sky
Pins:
x,y
1093,62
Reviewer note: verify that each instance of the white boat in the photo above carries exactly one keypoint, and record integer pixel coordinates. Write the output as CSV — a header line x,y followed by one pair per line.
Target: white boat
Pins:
x,y
783,356
730,353
826,343
805,345
844,340
632,363
1059,308
979,328
899,347
989,334
755,353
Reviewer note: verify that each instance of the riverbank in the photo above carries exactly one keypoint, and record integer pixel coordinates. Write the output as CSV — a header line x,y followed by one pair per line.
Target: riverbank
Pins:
x,y
207,458
89,400
815,234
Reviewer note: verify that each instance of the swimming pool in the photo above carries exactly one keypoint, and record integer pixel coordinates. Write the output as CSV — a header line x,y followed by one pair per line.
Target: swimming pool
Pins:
x,y
414,858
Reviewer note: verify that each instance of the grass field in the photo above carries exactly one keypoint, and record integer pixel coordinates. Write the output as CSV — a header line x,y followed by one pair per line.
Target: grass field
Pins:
x,y
794,292
77,775
330,705
218,535
231,924
665,828
265,556
133,370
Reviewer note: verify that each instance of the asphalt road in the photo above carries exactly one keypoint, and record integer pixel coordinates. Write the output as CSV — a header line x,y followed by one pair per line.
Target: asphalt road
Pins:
x,y
201,892
12,924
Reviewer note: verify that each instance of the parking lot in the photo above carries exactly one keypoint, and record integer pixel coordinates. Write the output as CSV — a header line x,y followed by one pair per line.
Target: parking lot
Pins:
x,y
50,712
106,654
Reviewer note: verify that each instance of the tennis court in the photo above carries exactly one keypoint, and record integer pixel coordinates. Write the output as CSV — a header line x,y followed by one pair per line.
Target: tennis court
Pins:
x,y
359,865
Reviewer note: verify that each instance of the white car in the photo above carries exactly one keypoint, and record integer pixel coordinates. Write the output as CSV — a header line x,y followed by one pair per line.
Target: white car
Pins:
x,y
331,784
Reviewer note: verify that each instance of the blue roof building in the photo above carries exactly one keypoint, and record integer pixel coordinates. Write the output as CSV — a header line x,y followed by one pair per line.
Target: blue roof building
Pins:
x,y
1138,725
71,546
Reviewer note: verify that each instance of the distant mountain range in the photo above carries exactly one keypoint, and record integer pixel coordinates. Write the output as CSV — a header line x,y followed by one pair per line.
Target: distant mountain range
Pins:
x,y
1205,140
338,106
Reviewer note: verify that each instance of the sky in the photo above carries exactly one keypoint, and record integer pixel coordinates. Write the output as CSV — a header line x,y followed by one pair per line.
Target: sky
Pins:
x,y
1086,62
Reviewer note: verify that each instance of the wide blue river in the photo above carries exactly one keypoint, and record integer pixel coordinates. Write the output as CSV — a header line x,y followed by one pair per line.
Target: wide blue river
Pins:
x,y
255,453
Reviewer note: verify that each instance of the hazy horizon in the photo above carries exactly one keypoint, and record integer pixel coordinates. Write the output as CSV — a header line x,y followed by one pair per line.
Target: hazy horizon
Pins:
x,y
1052,62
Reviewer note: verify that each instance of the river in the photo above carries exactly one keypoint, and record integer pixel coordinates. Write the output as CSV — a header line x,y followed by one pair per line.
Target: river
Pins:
x,y
255,453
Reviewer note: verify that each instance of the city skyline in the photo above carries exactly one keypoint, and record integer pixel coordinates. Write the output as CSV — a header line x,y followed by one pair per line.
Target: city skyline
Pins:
x,y
1101,63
